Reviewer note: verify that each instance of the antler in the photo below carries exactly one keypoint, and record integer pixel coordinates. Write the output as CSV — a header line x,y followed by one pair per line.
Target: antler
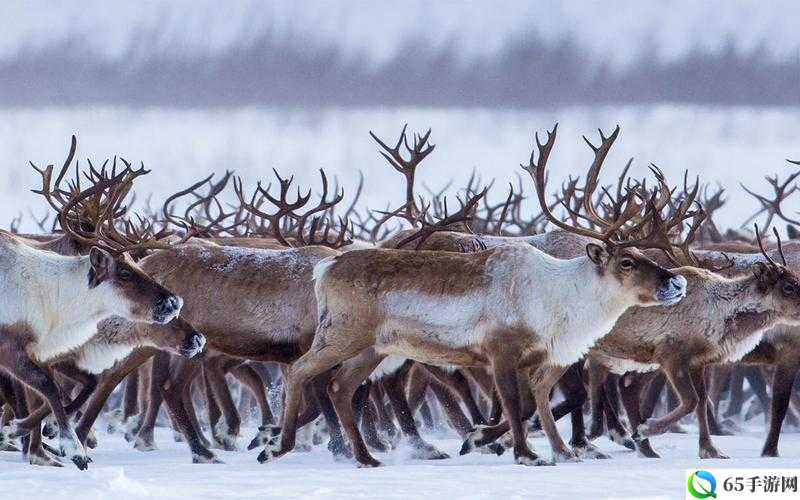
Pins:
x,y
624,210
285,208
106,196
55,196
773,206
408,168
464,214
764,252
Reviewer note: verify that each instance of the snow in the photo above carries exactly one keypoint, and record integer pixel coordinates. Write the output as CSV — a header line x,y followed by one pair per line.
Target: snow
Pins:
x,y
119,472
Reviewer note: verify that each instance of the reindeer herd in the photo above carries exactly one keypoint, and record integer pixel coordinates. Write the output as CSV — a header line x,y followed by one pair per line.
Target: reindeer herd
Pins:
x,y
367,325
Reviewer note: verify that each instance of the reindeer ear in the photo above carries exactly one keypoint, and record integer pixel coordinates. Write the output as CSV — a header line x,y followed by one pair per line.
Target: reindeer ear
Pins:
x,y
792,232
102,266
595,253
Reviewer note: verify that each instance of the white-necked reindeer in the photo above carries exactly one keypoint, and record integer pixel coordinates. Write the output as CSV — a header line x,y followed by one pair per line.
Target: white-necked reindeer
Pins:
x,y
52,304
506,308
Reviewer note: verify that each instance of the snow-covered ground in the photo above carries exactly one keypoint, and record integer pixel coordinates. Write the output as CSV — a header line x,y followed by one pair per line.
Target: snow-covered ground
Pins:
x,y
725,145
121,473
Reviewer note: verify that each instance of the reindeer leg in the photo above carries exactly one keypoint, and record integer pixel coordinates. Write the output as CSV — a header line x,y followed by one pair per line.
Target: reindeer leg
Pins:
x,y
227,430
33,451
543,381
782,388
574,389
173,390
320,358
597,376
17,362
320,395
630,389
144,439
755,377
707,448
385,420
108,382
8,401
720,376
342,388
652,395
458,384
736,399
130,401
364,410
483,380
393,384
33,422
504,368
253,381
680,378
458,420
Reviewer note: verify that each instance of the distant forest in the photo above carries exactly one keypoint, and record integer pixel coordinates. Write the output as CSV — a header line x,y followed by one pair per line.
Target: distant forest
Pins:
x,y
528,72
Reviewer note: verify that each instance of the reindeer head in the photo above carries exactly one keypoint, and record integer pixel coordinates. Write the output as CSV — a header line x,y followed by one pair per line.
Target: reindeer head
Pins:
x,y
94,218
176,337
649,283
778,282
132,294
632,220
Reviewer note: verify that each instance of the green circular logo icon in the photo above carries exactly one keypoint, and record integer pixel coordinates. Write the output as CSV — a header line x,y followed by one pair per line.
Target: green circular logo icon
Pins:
x,y
702,484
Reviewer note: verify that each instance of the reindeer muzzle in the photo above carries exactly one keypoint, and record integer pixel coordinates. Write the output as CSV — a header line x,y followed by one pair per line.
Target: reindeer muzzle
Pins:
x,y
193,345
167,309
672,291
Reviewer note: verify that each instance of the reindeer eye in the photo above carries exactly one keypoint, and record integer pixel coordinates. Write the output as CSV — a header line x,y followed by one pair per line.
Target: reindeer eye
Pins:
x,y
124,275
627,264
788,289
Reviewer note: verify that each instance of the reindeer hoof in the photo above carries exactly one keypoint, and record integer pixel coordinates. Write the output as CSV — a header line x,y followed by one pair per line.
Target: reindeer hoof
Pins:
x,y
226,442
208,459
473,440
643,448
622,439
271,450
425,451
81,461
368,463
565,456
429,454
492,449
44,460
145,444
531,461
712,453
265,432
589,451
773,453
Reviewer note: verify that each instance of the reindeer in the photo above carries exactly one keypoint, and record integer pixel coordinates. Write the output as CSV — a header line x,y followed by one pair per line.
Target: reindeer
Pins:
x,y
249,303
720,321
53,304
470,309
